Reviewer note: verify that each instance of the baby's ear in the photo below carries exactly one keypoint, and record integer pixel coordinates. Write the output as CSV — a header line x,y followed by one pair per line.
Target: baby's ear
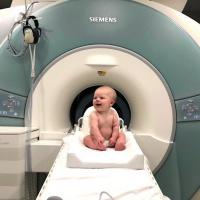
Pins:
x,y
112,102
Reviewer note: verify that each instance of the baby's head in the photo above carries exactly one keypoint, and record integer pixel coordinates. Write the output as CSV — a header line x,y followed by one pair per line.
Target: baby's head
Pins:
x,y
104,98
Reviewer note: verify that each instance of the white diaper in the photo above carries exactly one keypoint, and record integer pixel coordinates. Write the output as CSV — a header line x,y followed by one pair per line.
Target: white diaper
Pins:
x,y
106,143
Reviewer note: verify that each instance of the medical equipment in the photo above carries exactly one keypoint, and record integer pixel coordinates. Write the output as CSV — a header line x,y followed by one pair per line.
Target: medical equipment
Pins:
x,y
147,52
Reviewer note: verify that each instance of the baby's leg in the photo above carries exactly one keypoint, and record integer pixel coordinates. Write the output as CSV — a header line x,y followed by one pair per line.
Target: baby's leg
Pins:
x,y
89,142
120,143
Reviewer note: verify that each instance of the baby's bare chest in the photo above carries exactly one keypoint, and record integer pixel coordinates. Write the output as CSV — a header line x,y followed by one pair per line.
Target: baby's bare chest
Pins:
x,y
105,121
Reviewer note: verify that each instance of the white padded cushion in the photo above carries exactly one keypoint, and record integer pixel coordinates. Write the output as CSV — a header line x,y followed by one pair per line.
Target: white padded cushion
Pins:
x,y
80,156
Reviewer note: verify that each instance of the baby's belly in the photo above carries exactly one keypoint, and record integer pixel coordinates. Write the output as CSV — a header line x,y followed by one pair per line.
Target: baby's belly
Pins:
x,y
106,133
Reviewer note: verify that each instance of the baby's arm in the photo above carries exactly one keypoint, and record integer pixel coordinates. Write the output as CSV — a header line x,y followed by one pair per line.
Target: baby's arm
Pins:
x,y
115,128
94,129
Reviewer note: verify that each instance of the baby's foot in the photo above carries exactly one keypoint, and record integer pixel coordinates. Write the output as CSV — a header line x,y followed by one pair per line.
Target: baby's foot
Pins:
x,y
120,146
101,147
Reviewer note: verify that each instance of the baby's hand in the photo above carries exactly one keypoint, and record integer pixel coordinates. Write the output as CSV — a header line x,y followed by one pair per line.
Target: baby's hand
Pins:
x,y
112,142
100,139
100,143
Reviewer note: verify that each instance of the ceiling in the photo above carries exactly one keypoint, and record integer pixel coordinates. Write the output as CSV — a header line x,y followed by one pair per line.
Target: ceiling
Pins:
x,y
190,8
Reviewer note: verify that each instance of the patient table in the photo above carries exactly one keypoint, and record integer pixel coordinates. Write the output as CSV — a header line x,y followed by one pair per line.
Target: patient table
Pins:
x,y
80,173
98,183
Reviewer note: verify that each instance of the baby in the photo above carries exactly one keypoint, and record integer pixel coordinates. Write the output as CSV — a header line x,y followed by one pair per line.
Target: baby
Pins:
x,y
104,122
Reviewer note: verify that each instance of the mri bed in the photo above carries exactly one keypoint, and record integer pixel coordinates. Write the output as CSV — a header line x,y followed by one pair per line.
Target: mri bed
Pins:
x,y
139,48
82,173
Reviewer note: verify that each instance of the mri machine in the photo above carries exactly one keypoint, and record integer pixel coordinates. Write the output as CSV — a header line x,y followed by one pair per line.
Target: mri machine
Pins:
x,y
147,52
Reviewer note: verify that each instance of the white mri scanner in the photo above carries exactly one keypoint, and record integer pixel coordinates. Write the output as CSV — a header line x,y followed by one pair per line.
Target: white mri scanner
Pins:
x,y
87,45
117,64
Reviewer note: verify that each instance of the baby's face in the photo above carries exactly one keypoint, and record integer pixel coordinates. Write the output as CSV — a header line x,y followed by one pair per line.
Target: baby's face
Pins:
x,y
102,100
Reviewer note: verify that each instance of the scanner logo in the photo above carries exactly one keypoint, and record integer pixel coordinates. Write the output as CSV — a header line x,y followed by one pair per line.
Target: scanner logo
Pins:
x,y
103,19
